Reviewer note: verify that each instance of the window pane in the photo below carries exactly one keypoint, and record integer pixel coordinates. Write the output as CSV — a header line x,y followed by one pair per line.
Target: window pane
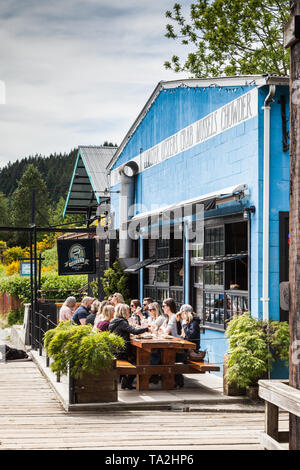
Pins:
x,y
198,275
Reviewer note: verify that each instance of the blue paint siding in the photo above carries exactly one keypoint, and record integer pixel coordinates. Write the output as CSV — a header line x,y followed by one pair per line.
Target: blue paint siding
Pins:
x,y
279,200
216,344
233,157
172,111
209,166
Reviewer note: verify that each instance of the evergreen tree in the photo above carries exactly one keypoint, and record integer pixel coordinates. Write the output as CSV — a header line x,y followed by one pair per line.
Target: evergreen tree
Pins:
x,y
56,215
4,216
22,203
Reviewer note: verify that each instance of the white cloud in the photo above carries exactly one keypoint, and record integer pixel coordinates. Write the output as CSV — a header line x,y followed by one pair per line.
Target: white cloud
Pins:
x,y
77,72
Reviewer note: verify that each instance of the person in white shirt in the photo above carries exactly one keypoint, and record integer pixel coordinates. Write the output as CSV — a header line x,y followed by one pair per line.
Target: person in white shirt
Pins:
x,y
67,309
169,327
156,318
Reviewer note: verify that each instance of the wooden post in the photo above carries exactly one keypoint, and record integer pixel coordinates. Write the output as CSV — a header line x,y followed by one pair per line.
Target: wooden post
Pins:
x,y
294,255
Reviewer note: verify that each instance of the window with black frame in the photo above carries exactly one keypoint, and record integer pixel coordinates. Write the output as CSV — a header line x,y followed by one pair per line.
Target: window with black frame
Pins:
x,y
221,275
164,277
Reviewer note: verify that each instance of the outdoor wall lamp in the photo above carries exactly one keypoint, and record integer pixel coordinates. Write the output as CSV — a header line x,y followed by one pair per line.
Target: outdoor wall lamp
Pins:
x,y
248,211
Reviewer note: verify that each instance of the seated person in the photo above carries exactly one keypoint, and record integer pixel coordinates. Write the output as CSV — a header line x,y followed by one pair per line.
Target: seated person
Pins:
x,y
169,327
156,317
67,309
116,299
146,302
189,325
108,312
136,312
90,319
81,313
98,317
120,326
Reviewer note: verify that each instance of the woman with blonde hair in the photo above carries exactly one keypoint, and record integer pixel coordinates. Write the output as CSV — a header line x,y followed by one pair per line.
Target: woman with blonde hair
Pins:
x,y
99,312
189,324
107,315
156,318
117,298
120,326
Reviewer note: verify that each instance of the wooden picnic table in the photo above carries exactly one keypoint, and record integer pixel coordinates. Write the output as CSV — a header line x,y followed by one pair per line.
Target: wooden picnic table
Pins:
x,y
169,347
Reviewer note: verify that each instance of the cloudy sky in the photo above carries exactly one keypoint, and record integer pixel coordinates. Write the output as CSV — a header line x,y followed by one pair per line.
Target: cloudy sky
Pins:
x,y
77,72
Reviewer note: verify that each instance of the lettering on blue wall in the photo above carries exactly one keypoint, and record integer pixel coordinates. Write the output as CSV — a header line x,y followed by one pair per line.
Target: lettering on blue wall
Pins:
x,y
236,112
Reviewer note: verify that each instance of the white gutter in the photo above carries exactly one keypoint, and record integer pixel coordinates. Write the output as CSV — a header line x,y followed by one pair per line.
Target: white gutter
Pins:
x,y
266,201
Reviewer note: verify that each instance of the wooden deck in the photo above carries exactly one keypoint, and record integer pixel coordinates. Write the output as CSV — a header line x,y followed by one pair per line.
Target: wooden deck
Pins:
x,y
32,418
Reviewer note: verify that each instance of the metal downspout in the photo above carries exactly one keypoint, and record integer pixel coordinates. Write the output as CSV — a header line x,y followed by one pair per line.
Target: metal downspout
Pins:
x,y
266,201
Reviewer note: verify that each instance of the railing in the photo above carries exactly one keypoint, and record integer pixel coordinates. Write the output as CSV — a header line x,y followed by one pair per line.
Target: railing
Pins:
x,y
43,320
278,394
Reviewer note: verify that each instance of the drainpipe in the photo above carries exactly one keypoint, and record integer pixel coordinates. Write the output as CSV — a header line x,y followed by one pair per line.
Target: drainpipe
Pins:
x,y
266,201
127,173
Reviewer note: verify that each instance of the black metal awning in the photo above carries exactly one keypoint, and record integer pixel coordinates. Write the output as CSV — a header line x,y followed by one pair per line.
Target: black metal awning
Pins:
x,y
137,266
218,259
158,263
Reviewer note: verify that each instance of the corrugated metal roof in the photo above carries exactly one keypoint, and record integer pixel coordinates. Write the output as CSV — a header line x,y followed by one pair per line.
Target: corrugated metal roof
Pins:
x,y
89,180
96,160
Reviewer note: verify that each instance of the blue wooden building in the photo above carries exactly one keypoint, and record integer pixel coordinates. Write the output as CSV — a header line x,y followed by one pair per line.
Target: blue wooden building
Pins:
x,y
200,198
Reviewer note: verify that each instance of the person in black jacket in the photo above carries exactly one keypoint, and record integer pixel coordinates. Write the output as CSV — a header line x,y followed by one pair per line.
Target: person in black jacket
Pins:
x,y
94,309
188,325
120,326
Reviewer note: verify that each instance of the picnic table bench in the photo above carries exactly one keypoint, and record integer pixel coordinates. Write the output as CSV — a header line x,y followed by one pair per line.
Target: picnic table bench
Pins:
x,y
169,367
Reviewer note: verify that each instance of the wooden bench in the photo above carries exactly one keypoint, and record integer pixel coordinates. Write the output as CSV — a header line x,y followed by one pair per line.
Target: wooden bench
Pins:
x,y
191,367
202,367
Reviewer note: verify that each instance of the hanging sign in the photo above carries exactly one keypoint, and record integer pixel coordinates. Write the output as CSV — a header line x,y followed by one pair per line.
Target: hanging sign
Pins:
x,y
25,269
76,256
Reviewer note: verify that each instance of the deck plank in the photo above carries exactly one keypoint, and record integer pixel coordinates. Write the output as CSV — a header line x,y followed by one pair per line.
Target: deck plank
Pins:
x,y
31,418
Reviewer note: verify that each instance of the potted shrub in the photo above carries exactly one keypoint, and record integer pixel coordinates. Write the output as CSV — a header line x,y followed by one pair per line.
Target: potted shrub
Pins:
x,y
89,357
253,347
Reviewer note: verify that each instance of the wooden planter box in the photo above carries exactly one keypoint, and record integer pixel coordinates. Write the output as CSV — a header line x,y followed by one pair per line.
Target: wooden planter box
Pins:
x,y
101,388
231,390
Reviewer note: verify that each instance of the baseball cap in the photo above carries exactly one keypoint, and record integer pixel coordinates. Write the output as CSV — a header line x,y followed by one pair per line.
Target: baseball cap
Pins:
x,y
186,308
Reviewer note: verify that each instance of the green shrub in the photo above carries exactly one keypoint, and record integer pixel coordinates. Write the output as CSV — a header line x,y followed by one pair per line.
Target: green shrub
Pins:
x,y
16,286
253,348
50,257
279,339
15,317
59,287
114,280
79,349
2,271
